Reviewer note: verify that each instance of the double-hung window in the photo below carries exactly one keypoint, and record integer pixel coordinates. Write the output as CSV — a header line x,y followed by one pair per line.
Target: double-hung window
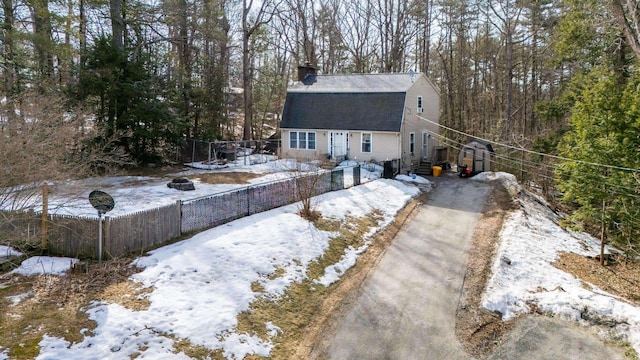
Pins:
x,y
305,140
366,142
412,142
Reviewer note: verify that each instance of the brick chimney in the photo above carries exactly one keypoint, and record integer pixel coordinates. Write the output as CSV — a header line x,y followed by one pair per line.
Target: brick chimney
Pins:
x,y
304,70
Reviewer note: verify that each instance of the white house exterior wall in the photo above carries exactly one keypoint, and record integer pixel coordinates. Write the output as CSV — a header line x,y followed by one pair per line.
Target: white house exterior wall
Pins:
x,y
413,124
384,146
322,146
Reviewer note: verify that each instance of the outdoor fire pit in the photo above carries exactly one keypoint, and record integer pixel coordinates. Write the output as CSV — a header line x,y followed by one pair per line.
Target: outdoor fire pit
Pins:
x,y
181,184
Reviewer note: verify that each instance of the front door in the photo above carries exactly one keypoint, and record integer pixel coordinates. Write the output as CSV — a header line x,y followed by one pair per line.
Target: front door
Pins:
x,y
338,145
425,145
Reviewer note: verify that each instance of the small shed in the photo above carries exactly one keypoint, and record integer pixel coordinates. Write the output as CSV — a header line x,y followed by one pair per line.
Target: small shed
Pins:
x,y
477,155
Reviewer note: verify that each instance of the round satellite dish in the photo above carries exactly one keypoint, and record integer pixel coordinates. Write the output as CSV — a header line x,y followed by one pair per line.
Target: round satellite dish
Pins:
x,y
101,201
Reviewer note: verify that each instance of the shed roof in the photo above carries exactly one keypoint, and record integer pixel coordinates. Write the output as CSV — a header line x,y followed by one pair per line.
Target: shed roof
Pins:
x,y
474,143
373,111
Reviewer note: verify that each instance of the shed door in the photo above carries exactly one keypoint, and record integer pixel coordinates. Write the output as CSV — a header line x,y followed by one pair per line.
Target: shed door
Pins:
x,y
478,165
338,144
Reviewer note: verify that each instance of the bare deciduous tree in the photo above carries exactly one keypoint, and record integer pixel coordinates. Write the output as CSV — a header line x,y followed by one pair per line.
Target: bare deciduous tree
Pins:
x,y
627,13
51,145
252,21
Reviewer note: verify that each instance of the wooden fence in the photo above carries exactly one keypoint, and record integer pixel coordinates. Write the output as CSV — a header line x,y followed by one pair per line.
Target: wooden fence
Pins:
x,y
66,235
141,230
78,236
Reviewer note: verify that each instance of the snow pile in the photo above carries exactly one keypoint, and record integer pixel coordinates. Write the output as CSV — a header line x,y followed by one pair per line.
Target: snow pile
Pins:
x,y
6,251
523,274
44,265
509,181
200,285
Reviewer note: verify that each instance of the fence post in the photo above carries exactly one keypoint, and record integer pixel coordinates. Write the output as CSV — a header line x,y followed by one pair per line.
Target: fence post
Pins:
x,y
106,236
356,175
45,215
179,207
248,192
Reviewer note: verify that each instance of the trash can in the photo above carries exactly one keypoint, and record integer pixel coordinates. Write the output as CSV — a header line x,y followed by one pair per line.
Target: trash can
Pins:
x,y
387,172
437,170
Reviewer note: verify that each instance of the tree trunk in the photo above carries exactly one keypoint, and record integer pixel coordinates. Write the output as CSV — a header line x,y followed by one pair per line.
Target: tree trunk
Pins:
x,y
82,34
10,71
186,66
627,14
117,24
42,37
247,82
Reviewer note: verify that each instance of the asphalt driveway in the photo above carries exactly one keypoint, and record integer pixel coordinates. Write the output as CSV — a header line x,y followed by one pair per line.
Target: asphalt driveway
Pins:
x,y
406,308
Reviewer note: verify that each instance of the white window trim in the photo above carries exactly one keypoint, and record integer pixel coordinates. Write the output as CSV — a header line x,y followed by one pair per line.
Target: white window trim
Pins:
x,y
412,143
370,142
420,104
315,140
306,140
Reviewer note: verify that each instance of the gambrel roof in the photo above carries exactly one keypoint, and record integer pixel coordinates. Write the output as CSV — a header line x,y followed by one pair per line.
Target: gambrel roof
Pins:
x,y
343,111
373,102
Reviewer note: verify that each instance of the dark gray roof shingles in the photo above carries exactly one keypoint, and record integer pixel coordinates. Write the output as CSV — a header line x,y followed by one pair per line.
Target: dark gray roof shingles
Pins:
x,y
344,111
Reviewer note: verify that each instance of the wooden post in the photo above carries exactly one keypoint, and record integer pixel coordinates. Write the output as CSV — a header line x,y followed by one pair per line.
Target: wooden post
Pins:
x,y
179,206
45,215
99,237
602,233
107,245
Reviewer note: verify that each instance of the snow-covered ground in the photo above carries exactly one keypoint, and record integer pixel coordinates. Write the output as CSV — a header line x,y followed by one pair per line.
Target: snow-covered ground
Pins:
x,y
530,242
138,193
6,251
45,265
201,284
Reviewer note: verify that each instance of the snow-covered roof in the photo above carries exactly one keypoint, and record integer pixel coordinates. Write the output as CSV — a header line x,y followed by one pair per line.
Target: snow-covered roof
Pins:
x,y
356,83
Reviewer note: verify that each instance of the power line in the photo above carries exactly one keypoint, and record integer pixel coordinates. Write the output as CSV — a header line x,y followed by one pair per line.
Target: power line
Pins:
x,y
531,151
628,191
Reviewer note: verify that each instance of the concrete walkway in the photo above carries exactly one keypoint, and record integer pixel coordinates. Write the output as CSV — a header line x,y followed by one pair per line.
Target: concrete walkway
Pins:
x,y
406,308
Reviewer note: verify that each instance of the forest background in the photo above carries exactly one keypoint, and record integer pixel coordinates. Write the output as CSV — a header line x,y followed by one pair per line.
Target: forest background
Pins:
x,y
87,85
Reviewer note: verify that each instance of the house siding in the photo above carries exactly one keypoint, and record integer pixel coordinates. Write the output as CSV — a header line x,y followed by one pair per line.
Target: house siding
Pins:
x,y
384,146
413,124
322,147
390,117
